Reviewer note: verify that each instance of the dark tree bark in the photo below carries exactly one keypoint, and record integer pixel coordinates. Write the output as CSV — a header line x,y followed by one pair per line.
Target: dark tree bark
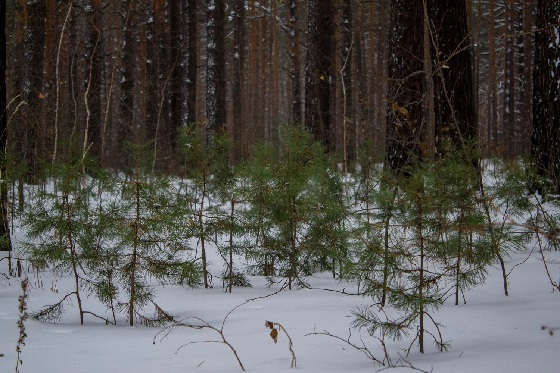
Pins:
x,y
526,101
33,60
492,82
190,56
238,91
453,76
546,91
94,54
124,130
509,83
405,109
176,69
215,71
295,63
5,242
319,72
346,63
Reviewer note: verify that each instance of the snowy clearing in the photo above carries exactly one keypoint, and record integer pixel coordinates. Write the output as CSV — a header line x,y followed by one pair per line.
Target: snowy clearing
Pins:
x,y
491,333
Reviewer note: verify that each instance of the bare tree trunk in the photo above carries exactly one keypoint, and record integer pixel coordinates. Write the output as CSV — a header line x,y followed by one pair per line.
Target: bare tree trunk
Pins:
x,y
202,233
238,91
527,83
5,239
349,125
546,109
509,82
191,60
493,124
215,70
319,72
429,135
295,63
135,227
124,130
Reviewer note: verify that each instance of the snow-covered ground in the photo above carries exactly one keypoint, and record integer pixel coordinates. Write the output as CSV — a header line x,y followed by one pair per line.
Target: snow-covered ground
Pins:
x,y
491,333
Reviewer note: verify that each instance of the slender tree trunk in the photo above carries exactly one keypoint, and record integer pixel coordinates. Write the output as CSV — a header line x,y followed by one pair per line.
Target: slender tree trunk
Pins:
x,y
134,259
215,71
73,256
232,222
319,111
5,239
421,274
493,140
527,99
124,130
238,91
190,53
385,261
429,135
295,63
34,59
293,247
202,233
509,82
349,125
458,268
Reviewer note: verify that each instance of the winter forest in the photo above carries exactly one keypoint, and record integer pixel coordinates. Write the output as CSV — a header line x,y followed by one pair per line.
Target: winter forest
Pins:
x,y
279,185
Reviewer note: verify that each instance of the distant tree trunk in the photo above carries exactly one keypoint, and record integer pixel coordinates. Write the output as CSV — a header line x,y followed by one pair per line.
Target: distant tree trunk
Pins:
x,y
275,76
429,134
176,69
546,91
411,89
51,39
526,98
5,241
346,63
95,47
190,59
361,76
406,108
238,91
492,82
319,72
509,82
19,31
295,63
34,58
453,80
126,107
215,71
162,58
151,71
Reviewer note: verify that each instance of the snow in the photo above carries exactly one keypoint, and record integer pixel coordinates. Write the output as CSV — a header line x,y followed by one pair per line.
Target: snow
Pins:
x,y
491,333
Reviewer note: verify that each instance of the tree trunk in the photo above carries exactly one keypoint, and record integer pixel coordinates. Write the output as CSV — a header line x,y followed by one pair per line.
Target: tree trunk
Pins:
x,y
346,63
238,91
124,130
492,83
453,83
546,92
509,83
215,70
5,239
295,64
319,72
406,108
191,60
429,136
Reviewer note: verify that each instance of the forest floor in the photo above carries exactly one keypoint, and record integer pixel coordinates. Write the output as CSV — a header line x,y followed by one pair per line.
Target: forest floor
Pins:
x,y
491,333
